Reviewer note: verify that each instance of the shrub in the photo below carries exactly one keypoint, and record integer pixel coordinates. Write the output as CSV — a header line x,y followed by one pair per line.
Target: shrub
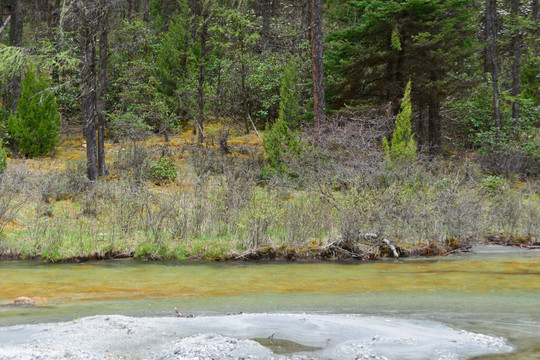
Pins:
x,y
162,171
35,125
403,147
3,158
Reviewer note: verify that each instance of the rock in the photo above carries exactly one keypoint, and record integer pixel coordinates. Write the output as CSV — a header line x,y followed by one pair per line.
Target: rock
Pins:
x,y
26,301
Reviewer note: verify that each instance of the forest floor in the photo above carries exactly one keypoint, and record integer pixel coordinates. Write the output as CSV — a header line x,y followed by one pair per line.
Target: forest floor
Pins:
x,y
220,208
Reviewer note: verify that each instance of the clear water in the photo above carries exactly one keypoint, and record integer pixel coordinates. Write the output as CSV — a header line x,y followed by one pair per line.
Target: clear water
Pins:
x,y
497,294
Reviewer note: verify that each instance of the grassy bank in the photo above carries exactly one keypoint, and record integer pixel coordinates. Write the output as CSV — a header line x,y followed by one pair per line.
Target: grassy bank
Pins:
x,y
218,207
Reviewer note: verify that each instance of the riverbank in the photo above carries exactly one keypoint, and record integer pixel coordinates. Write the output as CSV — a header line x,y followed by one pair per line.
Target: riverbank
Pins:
x,y
223,207
306,337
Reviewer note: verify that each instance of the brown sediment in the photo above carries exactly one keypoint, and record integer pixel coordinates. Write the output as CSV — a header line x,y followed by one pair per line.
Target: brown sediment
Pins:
x,y
529,241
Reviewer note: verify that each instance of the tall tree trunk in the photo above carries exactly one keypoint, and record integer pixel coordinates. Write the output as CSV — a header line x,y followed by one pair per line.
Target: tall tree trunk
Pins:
x,y
218,90
491,27
317,72
516,64
166,16
422,125
15,39
146,9
265,8
100,93
88,81
243,75
534,13
202,67
434,127
130,9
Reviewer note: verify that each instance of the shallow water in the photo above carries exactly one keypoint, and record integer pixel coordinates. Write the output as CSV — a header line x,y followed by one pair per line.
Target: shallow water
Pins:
x,y
496,294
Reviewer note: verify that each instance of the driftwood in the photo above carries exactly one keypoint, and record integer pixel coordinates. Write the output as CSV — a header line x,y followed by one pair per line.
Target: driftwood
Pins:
x,y
352,246
180,315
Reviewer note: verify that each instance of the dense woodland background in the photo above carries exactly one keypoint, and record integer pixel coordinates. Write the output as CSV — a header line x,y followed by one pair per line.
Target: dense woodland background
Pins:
x,y
164,63
353,100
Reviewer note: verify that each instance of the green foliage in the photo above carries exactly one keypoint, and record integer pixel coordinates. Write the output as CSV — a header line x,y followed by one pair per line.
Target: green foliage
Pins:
x,y
403,147
35,126
163,171
377,43
493,184
132,70
281,139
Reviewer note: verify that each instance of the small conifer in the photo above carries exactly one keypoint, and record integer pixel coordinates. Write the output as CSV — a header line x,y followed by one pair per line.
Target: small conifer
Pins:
x,y
403,147
35,126
281,138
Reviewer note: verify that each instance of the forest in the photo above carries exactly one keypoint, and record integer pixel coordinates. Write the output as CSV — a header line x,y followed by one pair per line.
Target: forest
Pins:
x,y
267,129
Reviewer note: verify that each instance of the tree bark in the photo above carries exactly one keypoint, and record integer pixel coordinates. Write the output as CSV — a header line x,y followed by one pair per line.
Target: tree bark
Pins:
x,y
317,72
100,93
516,64
265,7
422,125
534,13
491,30
88,81
15,39
166,16
243,75
202,67
146,6
434,127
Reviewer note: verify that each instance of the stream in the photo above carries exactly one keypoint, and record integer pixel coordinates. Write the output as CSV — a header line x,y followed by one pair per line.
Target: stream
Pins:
x,y
493,291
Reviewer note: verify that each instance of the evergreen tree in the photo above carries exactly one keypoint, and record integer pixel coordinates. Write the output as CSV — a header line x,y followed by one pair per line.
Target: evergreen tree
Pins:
x,y
35,126
403,147
281,139
387,41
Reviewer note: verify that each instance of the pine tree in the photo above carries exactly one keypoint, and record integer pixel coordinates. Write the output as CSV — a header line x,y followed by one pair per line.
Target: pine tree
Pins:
x,y
403,147
35,126
281,139
385,42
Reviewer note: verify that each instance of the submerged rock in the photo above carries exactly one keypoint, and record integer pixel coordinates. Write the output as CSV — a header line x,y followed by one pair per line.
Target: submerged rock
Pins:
x,y
26,301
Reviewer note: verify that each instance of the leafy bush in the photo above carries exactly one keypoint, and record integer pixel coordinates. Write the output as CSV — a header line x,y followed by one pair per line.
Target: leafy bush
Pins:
x,y
493,184
162,171
35,125
403,147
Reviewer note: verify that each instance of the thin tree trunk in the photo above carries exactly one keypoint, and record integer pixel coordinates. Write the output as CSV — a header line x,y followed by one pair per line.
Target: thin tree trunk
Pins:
x,y
434,127
421,125
4,24
146,6
516,64
317,72
15,39
88,90
100,93
130,9
534,13
202,66
166,16
266,24
491,26
218,91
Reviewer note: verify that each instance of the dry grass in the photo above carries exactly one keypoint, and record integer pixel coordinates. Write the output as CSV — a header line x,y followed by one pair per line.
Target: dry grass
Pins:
x,y
219,209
